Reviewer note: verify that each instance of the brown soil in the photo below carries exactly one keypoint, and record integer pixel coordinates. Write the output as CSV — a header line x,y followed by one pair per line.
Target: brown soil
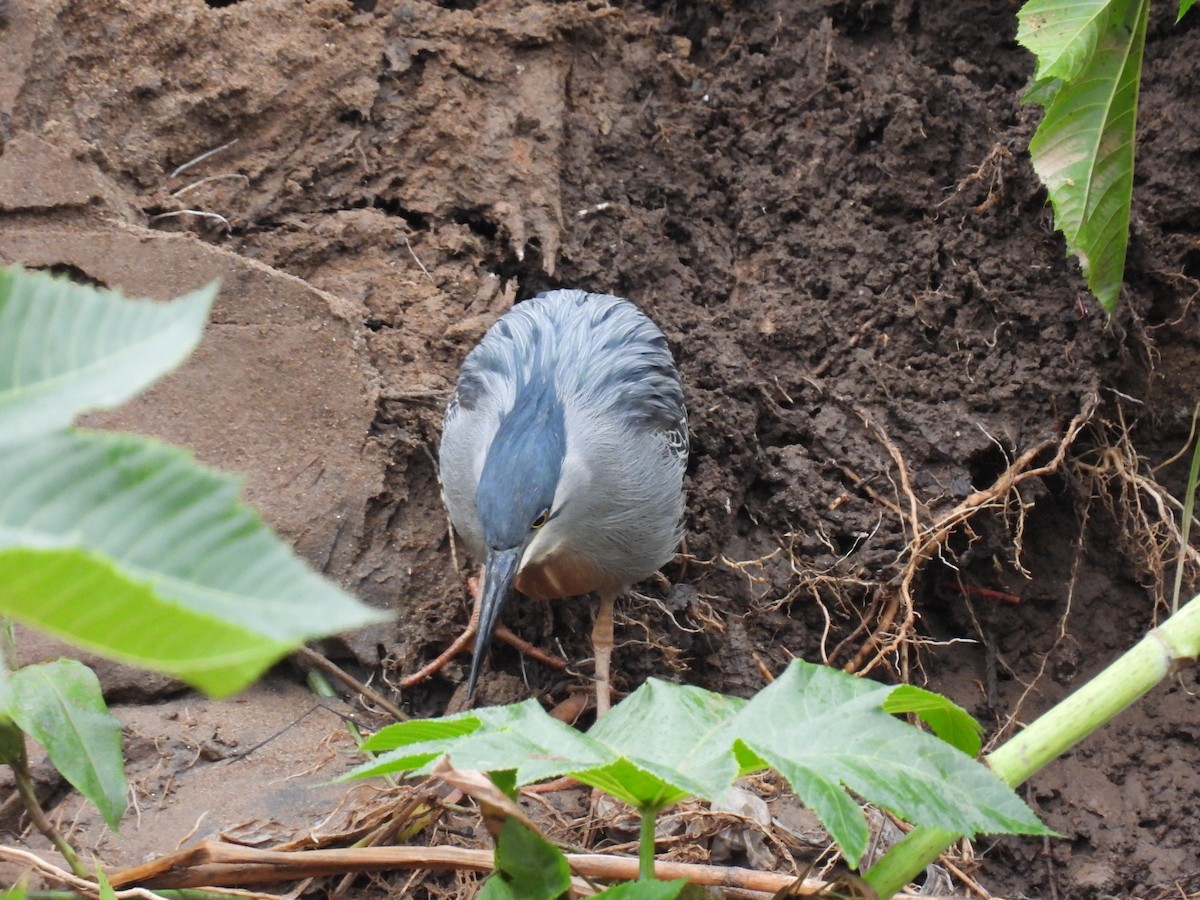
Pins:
x,y
827,207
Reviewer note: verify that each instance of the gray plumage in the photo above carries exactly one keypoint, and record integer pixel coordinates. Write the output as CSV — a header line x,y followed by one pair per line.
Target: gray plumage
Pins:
x,y
563,450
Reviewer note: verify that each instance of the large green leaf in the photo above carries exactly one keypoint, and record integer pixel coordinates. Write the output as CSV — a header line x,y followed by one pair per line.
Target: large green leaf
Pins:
x,y
59,704
520,737
1061,34
672,741
66,348
1083,150
827,732
130,548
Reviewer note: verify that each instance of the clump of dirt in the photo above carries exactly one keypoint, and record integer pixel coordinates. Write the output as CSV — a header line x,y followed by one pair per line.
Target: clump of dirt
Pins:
x,y
828,208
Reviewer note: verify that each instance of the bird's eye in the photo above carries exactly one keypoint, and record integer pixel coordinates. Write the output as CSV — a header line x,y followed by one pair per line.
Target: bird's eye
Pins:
x,y
541,519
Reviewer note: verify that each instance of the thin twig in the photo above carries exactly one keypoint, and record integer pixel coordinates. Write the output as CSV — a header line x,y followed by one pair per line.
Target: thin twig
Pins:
x,y
194,212
201,158
315,659
203,181
417,259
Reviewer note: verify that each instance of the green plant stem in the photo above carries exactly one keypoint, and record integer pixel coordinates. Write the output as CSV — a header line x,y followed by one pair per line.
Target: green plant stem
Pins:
x,y
646,844
28,795
1189,506
1164,651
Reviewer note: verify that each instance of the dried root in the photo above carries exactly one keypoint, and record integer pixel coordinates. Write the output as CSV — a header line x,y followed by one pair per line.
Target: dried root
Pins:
x,y
894,630
1147,516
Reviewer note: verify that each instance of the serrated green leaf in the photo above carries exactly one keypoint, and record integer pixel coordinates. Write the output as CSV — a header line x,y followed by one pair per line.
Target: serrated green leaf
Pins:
x,y
827,732
1062,34
528,867
949,721
688,725
59,704
520,737
1083,150
418,731
615,756
66,348
130,548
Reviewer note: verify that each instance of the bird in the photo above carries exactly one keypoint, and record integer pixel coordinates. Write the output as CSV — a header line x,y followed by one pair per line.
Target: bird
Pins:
x,y
563,453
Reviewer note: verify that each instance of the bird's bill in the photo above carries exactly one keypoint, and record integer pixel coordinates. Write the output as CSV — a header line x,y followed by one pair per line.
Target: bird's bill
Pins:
x,y
499,573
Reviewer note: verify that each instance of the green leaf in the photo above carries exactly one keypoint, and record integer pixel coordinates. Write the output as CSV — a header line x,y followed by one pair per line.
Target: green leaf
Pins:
x,y
59,704
418,731
644,890
1083,150
66,348
528,867
689,753
12,738
520,737
106,888
1062,34
827,732
83,598
128,547
949,721
17,892
1184,6
1042,92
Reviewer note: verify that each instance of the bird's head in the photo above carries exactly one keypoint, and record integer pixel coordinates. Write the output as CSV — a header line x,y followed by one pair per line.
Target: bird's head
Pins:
x,y
515,498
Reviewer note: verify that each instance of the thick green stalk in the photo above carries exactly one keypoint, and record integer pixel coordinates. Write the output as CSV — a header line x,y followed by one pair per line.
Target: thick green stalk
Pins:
x,y
1167,649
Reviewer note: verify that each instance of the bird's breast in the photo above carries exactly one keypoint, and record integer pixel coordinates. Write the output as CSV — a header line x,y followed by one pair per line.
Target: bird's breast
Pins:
x,y
559,574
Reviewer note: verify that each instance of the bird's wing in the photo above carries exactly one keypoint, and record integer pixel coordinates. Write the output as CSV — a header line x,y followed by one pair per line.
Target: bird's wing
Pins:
x,y
618,360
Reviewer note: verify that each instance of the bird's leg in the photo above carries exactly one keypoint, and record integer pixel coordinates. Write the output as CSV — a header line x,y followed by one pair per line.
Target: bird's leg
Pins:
x,y
602,648
461,643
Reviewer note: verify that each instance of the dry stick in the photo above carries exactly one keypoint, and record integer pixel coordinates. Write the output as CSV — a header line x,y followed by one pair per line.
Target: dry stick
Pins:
x,y
926,542
315,659
211,862
54,873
